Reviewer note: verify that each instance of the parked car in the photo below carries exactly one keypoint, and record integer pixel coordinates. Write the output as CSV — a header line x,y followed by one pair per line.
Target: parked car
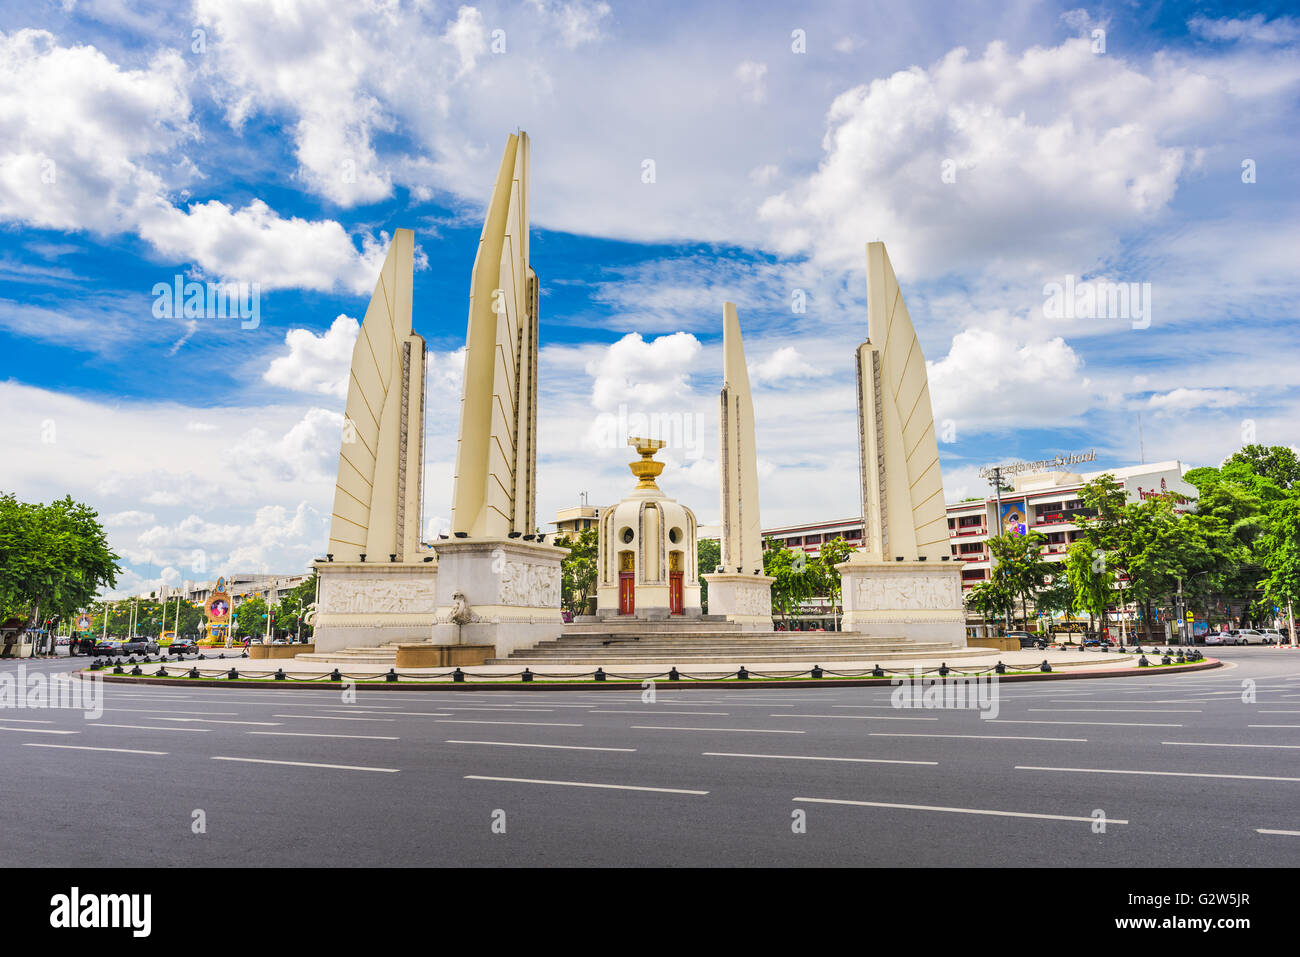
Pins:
x,y
184,646
1028,640
1097,641
139,646
1219,638
1273,636
108,646
1248,636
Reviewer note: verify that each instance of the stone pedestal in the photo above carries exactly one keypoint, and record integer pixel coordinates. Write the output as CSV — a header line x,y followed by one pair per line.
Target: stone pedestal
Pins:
x,y
366,604
497,591
746,600
917,600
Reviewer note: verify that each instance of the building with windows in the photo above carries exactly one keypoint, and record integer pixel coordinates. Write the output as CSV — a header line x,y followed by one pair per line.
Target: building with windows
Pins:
x,y
1045,502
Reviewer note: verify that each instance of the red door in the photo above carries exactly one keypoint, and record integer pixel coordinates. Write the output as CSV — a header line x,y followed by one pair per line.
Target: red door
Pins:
x,y
626,594
675,593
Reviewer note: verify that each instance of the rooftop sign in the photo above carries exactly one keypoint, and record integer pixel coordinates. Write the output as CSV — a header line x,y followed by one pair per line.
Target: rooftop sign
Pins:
x,y
1042,465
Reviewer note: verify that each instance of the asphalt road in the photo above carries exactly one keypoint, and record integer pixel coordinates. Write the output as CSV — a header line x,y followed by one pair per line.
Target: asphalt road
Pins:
x,y
1184,770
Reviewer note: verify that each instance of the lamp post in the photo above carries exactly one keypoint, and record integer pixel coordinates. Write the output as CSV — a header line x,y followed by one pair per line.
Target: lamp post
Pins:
x,y
996,478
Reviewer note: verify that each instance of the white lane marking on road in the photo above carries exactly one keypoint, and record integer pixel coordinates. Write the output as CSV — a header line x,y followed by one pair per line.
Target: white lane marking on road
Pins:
x,y
307,764
583,784
988,737
647,711
852,717
268,724
531,724
1216,744
958,810
169,711
1091,724
1163,774
27,720
38,730
557,747
663,727
327,717
1273,725
1122,710
1264,711
1269,830
321,734
810,757
83,747
140,727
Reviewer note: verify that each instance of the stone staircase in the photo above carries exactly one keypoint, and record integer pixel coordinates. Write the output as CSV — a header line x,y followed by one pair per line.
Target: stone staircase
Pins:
x,y
378,655
704,642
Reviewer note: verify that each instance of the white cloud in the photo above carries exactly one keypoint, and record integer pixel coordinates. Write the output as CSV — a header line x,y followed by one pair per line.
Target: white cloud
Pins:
x,y
752,77
1184,400
316,363
1257,28
1055,152
782,365
87,145
467,36
645,373
989,381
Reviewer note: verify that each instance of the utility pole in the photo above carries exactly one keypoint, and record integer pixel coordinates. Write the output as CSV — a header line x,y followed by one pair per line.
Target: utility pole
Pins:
x,y
996,479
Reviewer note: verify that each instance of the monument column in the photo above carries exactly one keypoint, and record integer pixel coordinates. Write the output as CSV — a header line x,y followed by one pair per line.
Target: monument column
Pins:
x,y
498,584
901,582
738,589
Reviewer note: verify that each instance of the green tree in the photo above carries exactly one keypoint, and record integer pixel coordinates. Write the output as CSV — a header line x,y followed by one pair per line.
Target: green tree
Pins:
x,y
290,612
1091,582
708,556
835,552
578,570
1019,567
250,615
991,599
793,584
53,558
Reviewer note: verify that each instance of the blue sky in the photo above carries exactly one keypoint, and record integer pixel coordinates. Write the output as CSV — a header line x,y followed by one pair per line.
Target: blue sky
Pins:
x,y
995,148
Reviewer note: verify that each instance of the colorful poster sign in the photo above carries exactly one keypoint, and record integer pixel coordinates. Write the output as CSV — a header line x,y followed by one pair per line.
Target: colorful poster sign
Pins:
x,y
1013,518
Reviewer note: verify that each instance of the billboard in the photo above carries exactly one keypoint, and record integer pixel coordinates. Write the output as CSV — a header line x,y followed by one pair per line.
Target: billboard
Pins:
x,y
1013,518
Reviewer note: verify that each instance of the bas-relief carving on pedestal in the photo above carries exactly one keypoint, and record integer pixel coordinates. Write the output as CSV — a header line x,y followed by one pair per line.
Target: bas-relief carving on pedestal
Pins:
x,y
753,601
529,585
393,596
907,592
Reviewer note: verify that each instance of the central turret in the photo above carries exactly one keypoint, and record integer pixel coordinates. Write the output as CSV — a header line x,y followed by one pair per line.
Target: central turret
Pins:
x,y
647,549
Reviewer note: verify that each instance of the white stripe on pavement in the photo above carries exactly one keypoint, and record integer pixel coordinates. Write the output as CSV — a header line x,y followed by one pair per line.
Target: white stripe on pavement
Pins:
x,y
531,724
328,717
315,734
1217,744
83,747
141,727
988,737
958,810
583,784
518,744
854,717
663,727
38,731
810,757
1091,724
1269,830
1163,774
308,764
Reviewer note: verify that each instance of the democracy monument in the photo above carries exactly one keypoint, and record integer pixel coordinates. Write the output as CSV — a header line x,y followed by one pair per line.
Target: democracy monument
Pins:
x,y
490,590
